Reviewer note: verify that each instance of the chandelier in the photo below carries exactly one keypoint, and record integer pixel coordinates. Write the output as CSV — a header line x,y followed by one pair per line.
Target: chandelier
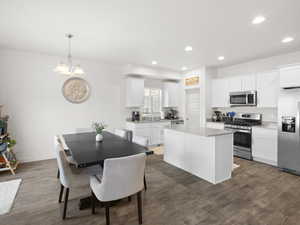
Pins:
x,y
69,69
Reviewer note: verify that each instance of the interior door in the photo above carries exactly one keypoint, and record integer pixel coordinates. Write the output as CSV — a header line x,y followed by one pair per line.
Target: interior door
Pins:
x,y
193,108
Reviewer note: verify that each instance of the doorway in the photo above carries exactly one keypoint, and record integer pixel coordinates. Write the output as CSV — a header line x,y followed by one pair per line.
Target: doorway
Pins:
x,y
192,107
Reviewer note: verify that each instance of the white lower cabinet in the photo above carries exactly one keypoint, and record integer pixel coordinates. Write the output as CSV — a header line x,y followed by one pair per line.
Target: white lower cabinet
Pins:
x,y
176,143
264,145
143,132
153,131
215,125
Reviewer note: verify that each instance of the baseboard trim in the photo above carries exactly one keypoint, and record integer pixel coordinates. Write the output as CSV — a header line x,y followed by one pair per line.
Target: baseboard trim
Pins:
x,y
266,161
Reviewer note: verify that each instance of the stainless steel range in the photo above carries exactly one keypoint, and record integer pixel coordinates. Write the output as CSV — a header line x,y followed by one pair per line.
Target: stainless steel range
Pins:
x,y
241,125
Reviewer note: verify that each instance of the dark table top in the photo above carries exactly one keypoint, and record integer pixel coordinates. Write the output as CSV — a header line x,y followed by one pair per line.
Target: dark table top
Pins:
x,y
87,152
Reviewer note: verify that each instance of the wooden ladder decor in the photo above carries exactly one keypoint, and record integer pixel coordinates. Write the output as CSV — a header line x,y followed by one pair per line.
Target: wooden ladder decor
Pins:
x,y
8,160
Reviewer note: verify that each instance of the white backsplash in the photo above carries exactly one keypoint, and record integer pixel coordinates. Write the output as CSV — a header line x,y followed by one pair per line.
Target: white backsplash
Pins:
x,y
268,114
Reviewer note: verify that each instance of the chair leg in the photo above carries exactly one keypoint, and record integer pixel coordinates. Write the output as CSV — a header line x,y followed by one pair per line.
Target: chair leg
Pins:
x,y
139,202
61,193
58,174
145,183
107,215
66,203
93,198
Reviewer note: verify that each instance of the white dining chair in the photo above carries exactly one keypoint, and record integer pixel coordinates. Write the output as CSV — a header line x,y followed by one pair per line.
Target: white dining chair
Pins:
x,y
71,177
142,141
83,130
59,140
122,177
121,133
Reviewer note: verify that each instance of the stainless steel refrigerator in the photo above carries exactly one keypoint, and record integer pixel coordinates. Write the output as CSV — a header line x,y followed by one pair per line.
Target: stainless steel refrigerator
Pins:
x,y
288,130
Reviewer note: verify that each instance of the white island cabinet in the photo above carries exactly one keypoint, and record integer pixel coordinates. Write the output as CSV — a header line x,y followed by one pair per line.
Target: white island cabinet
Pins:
x,y
203,152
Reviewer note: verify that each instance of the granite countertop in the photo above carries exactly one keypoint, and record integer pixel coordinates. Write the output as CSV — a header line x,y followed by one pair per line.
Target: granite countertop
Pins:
x,y
268,125
153,121
201,131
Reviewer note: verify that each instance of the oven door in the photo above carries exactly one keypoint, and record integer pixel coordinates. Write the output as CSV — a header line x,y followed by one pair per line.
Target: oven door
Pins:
x,y
242,140
242,143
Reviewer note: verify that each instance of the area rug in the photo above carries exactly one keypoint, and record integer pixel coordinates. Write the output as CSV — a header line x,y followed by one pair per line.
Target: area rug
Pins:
x,y
158,150
8,193
235,166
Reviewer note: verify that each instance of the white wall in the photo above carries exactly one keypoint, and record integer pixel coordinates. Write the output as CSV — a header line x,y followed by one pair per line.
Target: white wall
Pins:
x,y
261,65
31,94
150,72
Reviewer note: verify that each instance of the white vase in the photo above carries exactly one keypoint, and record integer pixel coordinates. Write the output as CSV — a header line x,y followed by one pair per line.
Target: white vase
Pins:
x,y
99,137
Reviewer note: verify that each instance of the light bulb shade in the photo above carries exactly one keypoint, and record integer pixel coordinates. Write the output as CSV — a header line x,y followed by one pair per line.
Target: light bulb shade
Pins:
x,y
61,68
78,70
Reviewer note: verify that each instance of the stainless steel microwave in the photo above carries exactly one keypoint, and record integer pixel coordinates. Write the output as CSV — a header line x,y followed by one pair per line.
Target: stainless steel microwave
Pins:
x,y
243,98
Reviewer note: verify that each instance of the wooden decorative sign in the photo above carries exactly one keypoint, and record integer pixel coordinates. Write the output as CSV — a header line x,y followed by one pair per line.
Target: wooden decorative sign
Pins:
x,y
191,81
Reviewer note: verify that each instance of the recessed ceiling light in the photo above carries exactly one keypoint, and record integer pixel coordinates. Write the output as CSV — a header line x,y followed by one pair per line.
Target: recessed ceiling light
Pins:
x,y
183,68
154,62
188,48
287,39
220,58
258,20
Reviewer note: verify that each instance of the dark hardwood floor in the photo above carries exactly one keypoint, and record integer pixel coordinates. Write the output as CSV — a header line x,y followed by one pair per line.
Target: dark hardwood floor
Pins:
x,y
256,195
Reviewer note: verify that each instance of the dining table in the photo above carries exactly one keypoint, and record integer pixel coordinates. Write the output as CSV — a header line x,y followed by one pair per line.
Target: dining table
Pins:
x,y
86,151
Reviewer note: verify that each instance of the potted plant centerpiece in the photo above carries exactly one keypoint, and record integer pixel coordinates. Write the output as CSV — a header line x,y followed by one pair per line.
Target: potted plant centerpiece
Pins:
x,y
99,127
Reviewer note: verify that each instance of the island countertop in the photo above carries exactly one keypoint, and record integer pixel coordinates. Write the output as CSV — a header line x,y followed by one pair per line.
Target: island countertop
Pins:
x,y
201,131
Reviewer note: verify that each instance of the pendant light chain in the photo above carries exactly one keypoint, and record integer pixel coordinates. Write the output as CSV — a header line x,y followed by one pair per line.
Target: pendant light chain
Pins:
x,y
70,55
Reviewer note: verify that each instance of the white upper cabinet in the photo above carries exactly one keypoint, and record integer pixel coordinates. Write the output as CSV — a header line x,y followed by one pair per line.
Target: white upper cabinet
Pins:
x,y
290,77
219,95
170,94
234,84
248,83
267,89
134,92
242,83
266,84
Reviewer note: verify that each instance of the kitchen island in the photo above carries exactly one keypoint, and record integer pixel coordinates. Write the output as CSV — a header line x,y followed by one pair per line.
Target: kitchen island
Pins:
x,y
203,152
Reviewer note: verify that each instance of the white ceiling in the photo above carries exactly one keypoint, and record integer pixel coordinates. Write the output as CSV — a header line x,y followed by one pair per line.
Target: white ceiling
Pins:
x,y
139,31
